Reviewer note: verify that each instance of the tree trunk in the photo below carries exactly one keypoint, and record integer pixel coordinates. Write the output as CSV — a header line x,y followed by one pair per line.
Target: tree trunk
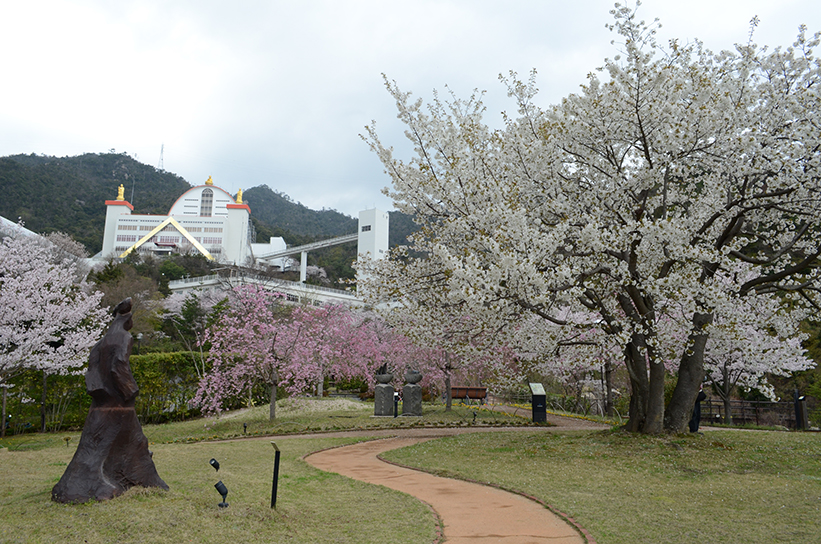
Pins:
x,y
3,423
725,391
608,388
654,424
647,396
43,404
449,401
272,412
690,376
639,388
728,411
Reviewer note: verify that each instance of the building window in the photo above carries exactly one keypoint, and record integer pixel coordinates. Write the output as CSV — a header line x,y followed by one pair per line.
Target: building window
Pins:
x,y
206,202
366,228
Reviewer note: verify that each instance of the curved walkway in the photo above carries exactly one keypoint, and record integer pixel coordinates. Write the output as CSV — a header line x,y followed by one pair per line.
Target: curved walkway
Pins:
x,y
469,512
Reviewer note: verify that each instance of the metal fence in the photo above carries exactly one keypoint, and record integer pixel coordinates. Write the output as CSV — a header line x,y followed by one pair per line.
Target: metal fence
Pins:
x,y
750,412
744,412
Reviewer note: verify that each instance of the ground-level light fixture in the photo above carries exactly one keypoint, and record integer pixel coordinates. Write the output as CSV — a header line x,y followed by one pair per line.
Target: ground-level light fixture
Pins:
x,y
222,490
214,463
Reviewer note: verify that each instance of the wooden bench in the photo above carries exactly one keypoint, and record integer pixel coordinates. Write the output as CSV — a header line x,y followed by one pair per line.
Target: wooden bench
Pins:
x,y
469,393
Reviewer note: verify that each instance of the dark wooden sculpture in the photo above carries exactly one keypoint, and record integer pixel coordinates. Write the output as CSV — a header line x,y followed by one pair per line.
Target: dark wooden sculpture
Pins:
x,y
113,454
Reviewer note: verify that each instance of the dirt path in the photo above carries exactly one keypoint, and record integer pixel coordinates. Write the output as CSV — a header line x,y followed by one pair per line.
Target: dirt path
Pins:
x,y
469,512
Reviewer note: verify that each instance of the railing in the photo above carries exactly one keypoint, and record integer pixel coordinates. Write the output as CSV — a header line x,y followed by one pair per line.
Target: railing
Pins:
x,y
762,413
344,239
198,279
286,284
744,412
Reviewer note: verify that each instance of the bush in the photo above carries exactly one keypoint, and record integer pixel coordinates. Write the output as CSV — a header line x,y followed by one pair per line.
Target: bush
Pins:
x,y
167,381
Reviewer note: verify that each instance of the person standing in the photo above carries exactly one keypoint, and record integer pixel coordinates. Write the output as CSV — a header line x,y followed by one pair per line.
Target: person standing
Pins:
x,y
695,420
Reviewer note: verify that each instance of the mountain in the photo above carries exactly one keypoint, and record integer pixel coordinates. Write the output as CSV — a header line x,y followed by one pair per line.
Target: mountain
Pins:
x,y
68,194
401,226
277,209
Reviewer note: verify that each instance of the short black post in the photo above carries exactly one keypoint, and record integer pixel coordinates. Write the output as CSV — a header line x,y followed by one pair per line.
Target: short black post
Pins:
x,y
276,476
801,419
395,404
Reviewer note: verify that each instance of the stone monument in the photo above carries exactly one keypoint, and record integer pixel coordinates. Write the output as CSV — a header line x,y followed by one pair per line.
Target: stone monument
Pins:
x,y
112,455
383,393
412,394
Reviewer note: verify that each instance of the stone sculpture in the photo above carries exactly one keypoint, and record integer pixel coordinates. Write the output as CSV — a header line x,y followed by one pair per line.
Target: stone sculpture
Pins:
x,y
412,394
113,454
383,393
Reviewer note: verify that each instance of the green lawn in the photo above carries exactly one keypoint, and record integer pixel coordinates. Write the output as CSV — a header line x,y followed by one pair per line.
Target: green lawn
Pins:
x,y
721,487
312,506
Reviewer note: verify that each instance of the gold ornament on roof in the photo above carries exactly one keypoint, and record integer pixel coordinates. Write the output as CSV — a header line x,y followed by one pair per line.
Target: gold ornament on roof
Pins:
x,y
121,192
209,181
239,196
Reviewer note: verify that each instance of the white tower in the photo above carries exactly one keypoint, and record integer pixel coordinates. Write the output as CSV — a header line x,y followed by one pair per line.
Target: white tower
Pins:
x,y
114,210
373,234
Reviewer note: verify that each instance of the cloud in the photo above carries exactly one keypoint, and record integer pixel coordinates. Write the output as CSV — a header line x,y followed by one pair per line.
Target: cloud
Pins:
x,y
276,93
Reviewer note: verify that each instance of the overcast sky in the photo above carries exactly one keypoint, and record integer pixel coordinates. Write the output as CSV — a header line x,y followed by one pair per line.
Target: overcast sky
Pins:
x,y
277,93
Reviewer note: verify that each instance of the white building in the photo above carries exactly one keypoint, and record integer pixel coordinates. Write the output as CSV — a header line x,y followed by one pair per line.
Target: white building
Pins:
x,y
207,220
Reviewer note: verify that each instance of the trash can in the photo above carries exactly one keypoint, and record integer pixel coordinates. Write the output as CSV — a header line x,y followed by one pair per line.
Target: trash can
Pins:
x,y
538,401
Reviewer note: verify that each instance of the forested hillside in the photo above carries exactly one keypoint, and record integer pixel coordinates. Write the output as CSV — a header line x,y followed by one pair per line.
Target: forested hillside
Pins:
x,y
277,209
68,194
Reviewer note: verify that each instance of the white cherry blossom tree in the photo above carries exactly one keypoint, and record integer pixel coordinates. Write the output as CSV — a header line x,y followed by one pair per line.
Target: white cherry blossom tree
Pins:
x,y
49,317
629,199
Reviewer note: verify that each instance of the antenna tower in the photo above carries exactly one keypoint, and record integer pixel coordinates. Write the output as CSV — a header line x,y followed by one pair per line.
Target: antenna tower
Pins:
x,y
160,165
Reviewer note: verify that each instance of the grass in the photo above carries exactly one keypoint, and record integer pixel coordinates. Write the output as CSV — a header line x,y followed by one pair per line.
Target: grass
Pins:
x,y
720,487
312,506
294,416
303,415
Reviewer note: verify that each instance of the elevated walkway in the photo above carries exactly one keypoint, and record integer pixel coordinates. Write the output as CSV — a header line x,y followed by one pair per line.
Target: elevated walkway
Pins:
x,y
303,252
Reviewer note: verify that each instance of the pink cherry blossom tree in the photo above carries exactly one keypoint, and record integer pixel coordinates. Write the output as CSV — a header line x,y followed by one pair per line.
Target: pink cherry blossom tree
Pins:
x,y
260,339
248,345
